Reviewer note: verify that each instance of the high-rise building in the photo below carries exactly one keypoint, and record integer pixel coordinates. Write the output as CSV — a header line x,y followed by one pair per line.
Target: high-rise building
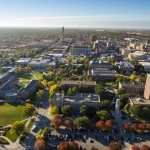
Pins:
x,y
147,87
63,30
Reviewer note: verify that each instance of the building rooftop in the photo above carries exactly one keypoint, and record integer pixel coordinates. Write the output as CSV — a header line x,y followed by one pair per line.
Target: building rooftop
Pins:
x,y
139,101
81,97
132,83
73,82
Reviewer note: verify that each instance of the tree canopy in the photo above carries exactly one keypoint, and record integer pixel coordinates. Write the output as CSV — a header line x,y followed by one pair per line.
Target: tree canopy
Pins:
x,y
66,110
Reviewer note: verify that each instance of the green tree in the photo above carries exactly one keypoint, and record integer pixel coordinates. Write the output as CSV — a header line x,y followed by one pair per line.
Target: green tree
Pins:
x,y
74,89
40,95
124,98
135,111
46,132
99,90
82,122
103,114
17,128
83,110
54,110
66,110
121,91
105,103
39,134
28,110
132,77
69,93
126,107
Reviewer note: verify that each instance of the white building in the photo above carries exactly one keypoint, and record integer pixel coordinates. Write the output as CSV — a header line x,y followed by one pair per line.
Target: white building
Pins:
x,y
80,49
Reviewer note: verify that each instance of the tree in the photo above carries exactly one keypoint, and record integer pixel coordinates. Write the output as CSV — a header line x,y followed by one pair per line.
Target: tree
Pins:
x,y
142,127
74,145
135,111
66,110
93,148
39,134
99,90
124,98
109,125
54,110
28,110
69,93
126,107
64,146
74,89
83,110
46,132
114,146
121,91
103,114
135,148
145,147
126,127
39,144
105,103
17,128
132,77
134,127
57,122
82,122
40,95
68,123
100,125
28,100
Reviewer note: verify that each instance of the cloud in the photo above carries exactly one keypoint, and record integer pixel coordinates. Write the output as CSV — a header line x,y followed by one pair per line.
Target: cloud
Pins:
x,y
84,17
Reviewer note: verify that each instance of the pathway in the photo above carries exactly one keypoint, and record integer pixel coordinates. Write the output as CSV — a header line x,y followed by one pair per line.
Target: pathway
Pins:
x,y
33,76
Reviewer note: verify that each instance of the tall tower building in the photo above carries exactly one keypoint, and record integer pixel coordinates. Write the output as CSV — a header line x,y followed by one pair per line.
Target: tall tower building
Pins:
x,y
63,30
147,87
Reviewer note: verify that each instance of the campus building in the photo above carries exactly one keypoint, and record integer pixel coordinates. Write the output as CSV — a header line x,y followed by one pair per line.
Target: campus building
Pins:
x,y
11,92
132,88
147,87
76,101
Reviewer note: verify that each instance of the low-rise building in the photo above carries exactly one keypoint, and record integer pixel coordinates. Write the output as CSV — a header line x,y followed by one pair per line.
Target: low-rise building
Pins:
x,y
132,88
80,49
146,65
104,74
76,101
100,64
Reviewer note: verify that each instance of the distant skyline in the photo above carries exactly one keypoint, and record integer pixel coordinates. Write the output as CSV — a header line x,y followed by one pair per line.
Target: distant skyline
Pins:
x,y
76,13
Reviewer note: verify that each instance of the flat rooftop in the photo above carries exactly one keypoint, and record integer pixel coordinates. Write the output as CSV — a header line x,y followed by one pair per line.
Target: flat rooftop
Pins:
x,y
139,101
146,64
73,82
132,83
81,97
125,64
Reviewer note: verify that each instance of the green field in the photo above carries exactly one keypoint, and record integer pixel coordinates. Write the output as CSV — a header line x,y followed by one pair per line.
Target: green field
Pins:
x,y
10,112
26,77
38,75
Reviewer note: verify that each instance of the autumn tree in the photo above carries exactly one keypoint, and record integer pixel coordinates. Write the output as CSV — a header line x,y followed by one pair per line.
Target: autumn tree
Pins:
x,y
142,127
145,147
74,145
54,110
28,110
57,122
93,148
64,146
109,125
39,144
134,127
100,125
68,123
17,128
114,146
135,148
126,127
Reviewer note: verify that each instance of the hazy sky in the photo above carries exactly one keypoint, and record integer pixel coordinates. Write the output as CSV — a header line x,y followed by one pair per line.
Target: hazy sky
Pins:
x,y
75,13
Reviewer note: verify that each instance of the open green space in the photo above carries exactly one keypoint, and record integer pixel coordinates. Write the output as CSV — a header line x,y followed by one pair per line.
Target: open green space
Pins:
x,y
13,137
25,133
10,112
26,76
38,75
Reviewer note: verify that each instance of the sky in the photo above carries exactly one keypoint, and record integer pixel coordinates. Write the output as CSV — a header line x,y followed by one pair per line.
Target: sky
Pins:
x,y
75,13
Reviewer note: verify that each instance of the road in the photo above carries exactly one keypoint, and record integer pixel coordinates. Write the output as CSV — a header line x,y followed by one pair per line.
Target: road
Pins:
x,y
41,121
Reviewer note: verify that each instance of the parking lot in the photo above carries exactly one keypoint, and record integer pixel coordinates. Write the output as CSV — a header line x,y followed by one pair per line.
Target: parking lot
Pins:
x,y
85,139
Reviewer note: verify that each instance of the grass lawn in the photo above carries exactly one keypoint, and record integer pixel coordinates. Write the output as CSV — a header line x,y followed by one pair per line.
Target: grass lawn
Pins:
x,y
12,137
38,75
22,83
25,134
10,112
26,76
